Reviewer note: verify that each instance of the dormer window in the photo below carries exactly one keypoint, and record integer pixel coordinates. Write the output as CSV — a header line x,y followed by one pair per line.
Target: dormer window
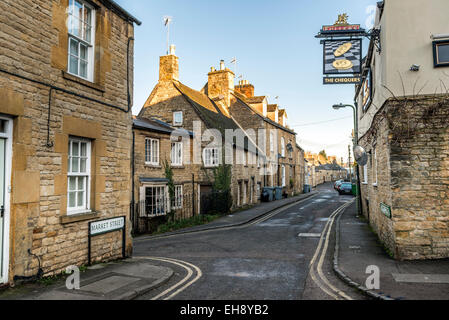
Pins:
x,y
177,118
81,26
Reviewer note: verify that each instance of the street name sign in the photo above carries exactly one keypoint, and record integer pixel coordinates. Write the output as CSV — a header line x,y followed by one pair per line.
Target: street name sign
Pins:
x,y
385,209
106,226
100,227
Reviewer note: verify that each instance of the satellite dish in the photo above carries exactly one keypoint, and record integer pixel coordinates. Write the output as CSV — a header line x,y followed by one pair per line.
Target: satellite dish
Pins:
x,y
360,155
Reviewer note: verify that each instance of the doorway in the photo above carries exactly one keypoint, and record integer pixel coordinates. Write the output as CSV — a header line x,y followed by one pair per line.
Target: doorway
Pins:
x,y
5,179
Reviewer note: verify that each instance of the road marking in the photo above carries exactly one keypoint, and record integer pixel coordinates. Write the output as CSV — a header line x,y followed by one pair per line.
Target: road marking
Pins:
x,y
326,236
421,278
310,235
258,220
187,266
323,254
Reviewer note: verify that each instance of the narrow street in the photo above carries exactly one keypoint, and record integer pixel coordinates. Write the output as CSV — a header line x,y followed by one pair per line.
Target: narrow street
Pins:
x,y
264,260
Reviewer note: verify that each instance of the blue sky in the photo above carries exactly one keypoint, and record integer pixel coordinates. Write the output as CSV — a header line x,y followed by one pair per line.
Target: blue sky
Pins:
x,y
274,43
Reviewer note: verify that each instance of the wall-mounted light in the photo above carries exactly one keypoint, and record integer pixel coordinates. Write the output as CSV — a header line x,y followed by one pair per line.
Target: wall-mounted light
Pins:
x,y
415,67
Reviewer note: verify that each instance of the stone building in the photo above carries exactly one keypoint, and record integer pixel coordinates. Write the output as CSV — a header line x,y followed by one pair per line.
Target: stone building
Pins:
x,y
284,158
220,111
324,169
207,119
156,145
66,89
329,172
403,108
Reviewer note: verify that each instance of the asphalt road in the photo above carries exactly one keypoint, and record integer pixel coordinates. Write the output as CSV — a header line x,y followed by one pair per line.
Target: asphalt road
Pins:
x,y
263,261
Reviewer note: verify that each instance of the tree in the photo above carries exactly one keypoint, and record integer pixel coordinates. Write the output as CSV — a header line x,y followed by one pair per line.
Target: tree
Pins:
x,y
323,153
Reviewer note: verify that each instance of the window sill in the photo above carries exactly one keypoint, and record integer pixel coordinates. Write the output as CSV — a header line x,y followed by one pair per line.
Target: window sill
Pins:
x,y
364,183
150,165
173,166
82,81
78,217
374,184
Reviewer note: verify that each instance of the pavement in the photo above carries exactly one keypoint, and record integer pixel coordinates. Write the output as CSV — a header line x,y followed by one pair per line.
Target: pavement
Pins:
x,y
119,280
359,248
130,278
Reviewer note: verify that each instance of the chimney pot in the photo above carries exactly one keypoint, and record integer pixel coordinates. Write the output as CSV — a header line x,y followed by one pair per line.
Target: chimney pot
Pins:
x,y
222,65
172,49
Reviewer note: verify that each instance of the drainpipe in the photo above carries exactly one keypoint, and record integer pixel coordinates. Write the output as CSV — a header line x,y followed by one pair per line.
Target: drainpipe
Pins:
x,y
133,200
127,73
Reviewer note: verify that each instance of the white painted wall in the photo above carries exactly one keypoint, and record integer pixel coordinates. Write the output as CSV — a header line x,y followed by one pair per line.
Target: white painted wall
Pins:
x,y
406,30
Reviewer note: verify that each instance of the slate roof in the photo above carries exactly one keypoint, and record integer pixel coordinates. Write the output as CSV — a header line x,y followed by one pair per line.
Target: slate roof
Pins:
x,y
154,125
117,8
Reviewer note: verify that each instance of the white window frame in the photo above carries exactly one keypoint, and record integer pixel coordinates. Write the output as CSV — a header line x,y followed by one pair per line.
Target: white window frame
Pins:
x,y
160,201
374,168
244,193
152,156
283,175
365,174
282,147
178,198
81,41
177,123
238,194
176,154
271,142
211,157
85,207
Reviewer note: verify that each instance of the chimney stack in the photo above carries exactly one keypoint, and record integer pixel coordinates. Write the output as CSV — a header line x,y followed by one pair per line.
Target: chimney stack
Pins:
x,y
220,84
169,66
245,88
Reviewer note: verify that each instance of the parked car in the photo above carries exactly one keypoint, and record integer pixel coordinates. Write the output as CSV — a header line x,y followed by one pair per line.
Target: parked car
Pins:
x,y
345,188
338,183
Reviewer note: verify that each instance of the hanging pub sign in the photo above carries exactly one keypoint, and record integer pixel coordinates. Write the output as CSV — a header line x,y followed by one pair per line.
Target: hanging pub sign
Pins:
x,y
342,56
342,26
341,80
342,52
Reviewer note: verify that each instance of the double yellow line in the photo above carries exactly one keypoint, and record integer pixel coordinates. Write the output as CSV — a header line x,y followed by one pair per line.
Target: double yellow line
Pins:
x,y
193,274
317,275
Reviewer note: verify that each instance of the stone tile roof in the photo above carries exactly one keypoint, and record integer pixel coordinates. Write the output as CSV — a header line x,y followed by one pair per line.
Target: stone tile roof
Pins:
x,y
155,125
258,99
272,107
209,112
196,96
242,102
